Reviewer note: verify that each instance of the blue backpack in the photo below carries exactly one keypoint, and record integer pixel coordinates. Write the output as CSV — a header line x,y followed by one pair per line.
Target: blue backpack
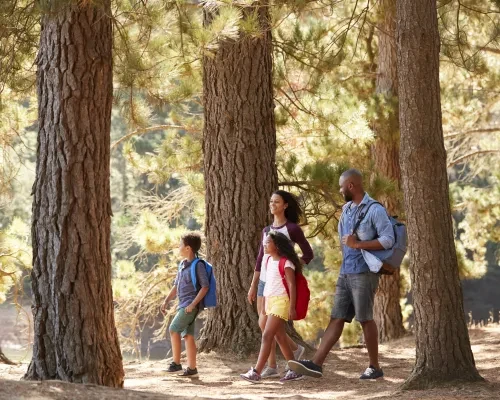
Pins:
x,y
392,257
210,299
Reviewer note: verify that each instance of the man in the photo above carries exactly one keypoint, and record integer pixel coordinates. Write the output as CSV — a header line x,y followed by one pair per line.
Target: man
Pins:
x,y
356,285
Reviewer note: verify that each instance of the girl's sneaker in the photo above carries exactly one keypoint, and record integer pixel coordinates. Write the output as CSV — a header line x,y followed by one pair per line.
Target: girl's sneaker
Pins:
x,y
252,376
270,373
173,367
291,376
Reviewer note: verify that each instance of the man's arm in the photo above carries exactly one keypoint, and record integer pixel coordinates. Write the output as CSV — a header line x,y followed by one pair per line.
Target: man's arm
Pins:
x,y
385,233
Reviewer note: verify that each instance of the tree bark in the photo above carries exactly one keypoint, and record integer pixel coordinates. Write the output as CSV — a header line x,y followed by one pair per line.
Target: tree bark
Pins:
x,y
385,154
443,352
239,150
75,338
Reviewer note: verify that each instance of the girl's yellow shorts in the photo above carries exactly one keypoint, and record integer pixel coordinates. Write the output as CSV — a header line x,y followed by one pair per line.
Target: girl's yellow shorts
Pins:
x,y
279,306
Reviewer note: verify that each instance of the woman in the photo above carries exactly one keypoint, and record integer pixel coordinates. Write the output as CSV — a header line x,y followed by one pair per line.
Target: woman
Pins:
x,y
286,212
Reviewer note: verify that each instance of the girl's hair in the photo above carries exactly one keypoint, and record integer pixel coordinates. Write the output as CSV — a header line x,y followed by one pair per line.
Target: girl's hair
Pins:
x,y
285,249
293,212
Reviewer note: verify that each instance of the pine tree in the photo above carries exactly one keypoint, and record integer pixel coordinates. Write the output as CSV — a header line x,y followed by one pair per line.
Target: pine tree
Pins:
x,y
443,351
385,153
75,338
239,147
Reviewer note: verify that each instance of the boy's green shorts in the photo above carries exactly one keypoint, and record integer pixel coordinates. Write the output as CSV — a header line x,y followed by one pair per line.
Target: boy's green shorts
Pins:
x,y
183,322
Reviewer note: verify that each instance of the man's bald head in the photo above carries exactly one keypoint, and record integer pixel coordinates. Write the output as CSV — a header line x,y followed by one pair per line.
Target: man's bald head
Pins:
x,y
351,184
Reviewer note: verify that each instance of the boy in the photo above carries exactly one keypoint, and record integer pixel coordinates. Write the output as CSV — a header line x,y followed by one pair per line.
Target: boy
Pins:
x,y
189,298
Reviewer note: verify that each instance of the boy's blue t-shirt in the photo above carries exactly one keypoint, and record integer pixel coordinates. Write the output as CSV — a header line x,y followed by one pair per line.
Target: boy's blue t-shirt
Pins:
x,y
186,292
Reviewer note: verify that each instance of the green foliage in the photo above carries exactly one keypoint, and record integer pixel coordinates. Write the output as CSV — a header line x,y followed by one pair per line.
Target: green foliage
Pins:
x,y
324,78
15,258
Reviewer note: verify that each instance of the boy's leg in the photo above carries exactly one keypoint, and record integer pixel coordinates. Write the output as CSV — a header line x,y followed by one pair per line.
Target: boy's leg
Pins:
x,y
175,340
272,325
190,351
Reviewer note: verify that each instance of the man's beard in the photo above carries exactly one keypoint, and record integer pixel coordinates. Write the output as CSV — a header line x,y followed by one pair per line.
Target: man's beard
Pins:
x,y
347,196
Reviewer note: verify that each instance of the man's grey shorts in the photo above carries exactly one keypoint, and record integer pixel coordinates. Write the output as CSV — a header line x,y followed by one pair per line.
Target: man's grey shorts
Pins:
x,y
354,296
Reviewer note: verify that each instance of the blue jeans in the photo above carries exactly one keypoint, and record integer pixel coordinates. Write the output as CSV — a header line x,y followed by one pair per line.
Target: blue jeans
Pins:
x,y
260,288
354,296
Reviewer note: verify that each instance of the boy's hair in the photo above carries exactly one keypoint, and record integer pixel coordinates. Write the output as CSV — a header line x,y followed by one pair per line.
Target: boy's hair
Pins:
x,y
193,240
285,249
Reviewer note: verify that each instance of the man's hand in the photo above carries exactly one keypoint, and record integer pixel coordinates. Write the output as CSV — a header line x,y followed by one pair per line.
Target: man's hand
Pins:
x,y
292,314
190,308
252,294
350,241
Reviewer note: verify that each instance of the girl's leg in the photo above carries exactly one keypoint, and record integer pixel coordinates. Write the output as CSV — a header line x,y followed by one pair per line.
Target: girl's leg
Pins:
x,y
273,324
190,351
271,362
283,341
272,355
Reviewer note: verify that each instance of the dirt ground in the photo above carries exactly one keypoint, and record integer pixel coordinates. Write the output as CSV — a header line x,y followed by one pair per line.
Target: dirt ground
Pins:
x,y
219,378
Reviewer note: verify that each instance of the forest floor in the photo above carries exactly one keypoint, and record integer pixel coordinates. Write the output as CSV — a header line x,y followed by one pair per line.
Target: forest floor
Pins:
x,y
219,378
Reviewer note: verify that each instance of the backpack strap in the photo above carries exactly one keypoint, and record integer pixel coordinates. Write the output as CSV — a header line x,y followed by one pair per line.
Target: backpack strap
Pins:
x,y
363,215
193,272
281,268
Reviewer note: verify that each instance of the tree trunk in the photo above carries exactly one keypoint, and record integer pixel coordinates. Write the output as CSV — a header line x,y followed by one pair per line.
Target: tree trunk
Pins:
x,y
443,351
385,154
239,150
75,335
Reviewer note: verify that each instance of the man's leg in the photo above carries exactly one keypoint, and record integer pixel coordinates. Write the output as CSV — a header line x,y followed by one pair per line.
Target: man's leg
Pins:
x,y
364,287
331,336
371,339
343,311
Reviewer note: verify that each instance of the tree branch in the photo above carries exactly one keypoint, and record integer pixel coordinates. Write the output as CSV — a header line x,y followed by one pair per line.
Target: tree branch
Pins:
x,y
479,130
468,155
143,131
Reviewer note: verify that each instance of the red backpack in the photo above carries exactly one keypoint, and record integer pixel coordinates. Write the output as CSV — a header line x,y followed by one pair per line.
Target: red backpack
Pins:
x,y
301,289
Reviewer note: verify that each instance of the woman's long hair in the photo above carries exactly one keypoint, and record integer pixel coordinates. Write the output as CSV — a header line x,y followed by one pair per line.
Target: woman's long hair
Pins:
x,y
285,249
293,212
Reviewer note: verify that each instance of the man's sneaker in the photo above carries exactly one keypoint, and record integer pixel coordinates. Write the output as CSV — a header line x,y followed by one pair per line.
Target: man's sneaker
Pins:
x,y
173,367
251,376
189,373
372,373
291,376
306,367
270,373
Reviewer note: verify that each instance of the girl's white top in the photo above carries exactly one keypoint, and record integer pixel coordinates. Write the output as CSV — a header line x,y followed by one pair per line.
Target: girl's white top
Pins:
x,y
274,283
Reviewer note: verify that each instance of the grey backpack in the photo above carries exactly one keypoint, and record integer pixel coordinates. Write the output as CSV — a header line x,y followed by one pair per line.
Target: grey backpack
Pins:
x,y
392,257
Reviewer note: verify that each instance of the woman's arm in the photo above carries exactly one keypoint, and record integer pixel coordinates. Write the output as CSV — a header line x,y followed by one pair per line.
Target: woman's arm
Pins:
x,y
252,292
297,236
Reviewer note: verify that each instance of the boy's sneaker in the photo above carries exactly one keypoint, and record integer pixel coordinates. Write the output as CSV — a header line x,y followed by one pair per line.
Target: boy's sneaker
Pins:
x,y
372,373
291,376
270,373
189,373
252,376
173,367
306,367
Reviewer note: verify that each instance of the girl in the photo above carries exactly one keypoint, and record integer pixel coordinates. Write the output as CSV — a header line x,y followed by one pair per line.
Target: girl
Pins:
x,y
287,212
279,307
